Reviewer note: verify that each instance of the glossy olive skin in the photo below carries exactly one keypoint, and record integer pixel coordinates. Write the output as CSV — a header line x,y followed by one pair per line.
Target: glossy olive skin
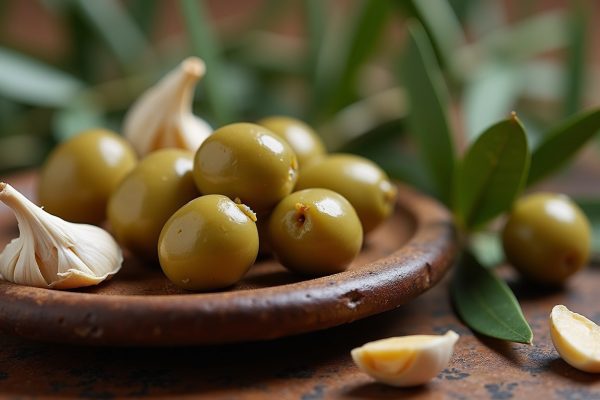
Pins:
x,y
359,180
547,238
209,243
81,173
315,232
248,162
303,139
158,186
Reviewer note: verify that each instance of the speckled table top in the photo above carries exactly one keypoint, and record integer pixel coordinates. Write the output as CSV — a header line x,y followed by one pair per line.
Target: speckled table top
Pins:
x,y
317,365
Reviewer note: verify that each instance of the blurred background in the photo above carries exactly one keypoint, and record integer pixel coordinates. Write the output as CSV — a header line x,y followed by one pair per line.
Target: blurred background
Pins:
x,y
68,65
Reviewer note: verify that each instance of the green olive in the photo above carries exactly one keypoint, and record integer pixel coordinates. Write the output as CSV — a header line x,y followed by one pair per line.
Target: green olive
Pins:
x,y
248,162
209,243
158,186
547,238
303,139
81,173
359,180
315,232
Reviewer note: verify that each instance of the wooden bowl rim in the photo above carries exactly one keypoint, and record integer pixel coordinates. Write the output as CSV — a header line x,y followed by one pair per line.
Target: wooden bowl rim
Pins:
x,y
242,315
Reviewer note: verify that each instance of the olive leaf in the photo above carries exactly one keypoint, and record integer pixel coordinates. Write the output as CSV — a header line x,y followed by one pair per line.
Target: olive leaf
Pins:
x,y
486,303
206,46
441,25
335,87
33,82
562,143
486,246
491,174
116,27
427,119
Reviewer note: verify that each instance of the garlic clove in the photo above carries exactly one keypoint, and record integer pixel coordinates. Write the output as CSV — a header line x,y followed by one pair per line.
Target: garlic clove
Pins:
x,y
407,360
162,116
576,339
54,253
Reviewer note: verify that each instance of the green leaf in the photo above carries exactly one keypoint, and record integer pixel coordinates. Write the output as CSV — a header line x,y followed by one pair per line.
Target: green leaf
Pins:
x,y
32,82
384,145
487,248
486,303
116,28
363,117
490,96
316,21
591,208
442,26
336,88
206,46
492,173
576,54
427,119
562,143
515,43
144,12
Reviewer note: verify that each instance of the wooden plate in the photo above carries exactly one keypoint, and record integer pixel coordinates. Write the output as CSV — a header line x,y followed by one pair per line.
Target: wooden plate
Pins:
x,y
406,256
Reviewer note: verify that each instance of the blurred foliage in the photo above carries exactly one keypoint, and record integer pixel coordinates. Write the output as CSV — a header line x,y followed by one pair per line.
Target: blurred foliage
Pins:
x,y
364,72
322,73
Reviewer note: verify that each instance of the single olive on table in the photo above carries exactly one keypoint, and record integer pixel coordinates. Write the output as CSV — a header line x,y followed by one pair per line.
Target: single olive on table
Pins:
x,y
80,174
315,232
159,185
362,182
303,139
209,243
248,162
547,238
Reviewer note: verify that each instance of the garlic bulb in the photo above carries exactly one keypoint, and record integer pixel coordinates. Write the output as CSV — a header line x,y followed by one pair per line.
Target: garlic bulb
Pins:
x,y
54,253
162,116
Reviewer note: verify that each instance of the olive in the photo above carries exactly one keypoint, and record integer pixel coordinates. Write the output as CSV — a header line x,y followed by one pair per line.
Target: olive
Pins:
x,y
547,238
315,232
158,186
303,139
248,162
359,180
209,243
81,173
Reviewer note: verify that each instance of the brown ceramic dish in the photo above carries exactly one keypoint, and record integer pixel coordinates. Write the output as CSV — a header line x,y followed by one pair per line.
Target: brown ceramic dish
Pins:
x,y
406,256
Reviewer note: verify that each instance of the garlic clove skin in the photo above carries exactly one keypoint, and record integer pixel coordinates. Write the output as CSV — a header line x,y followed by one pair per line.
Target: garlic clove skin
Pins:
x,y
576,339
407,360
53,253
162,116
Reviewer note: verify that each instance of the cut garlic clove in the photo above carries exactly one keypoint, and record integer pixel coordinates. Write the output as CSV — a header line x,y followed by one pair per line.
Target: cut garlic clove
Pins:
x,y
54,253
407,360
576,339
162,117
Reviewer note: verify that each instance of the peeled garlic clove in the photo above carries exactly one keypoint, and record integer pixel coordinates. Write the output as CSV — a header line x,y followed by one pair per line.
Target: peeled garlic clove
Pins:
x,y
162,116
407,360
576,338
54,253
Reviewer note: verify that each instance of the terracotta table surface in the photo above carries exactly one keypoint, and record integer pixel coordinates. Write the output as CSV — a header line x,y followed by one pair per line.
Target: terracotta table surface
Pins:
x,y
318,365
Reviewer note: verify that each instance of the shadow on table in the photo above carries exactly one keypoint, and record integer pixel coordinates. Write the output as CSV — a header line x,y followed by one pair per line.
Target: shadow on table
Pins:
x,y
379,391
298,362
